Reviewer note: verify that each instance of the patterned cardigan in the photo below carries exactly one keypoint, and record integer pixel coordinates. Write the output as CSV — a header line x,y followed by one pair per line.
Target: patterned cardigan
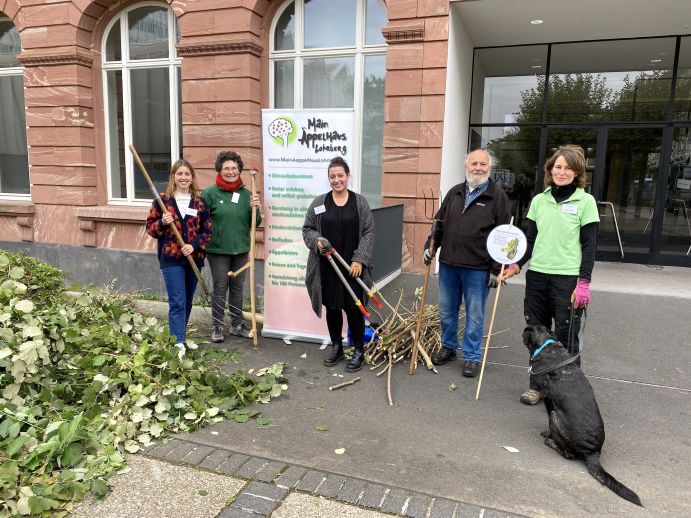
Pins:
x,y
195,230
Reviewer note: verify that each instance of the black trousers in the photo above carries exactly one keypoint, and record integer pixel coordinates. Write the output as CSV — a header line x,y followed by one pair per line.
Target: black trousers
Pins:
x,y
547,302
356,323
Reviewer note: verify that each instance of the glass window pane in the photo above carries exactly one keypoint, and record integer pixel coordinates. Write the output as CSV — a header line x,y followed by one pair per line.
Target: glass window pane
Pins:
x,y
148,33
178,75
516,151
329,26
284,37
628,80
14,160
113,47
9,44
676,224
682,97
150,91
328,83
508,85
284,84
375,21
116,134
373,128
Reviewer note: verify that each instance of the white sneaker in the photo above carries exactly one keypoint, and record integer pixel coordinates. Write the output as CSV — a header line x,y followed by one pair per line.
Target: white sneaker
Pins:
x,y
181,350
191,345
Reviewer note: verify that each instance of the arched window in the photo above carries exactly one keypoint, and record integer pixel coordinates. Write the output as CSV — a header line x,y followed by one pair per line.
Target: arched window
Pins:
x,y
141,85
14,159
328,57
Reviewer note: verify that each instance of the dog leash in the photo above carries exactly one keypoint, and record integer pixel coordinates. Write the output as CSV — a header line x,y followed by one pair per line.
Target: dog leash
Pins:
x,y
553,367
571,335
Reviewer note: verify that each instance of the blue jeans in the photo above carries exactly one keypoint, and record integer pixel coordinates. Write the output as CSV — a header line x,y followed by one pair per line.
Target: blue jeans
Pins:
x,y
455,285
181,282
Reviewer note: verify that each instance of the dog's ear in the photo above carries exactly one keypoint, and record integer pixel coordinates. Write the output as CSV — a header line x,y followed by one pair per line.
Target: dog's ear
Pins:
x,y
528,336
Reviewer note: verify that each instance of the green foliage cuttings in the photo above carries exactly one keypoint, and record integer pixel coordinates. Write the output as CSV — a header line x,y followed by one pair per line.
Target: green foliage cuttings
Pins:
x,y
82,380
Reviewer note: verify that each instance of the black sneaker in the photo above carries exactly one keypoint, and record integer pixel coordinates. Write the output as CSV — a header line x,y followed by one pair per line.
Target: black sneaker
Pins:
x,y
471,368
240,330
443,356
217,335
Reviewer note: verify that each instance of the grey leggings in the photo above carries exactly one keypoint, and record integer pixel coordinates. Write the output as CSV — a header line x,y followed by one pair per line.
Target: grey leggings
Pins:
x,y
220,265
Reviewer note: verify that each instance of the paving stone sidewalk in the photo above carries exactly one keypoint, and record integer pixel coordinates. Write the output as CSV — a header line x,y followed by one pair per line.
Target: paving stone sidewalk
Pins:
x,y
270,484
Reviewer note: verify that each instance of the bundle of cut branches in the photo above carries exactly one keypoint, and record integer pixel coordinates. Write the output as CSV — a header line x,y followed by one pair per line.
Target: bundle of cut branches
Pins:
x,y
397,333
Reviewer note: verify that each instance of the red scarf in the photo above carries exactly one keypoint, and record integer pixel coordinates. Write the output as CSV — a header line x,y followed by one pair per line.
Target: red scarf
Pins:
x,y
228,186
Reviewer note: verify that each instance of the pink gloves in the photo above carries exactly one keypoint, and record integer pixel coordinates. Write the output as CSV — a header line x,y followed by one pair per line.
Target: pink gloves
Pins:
x,y
510,271
581,295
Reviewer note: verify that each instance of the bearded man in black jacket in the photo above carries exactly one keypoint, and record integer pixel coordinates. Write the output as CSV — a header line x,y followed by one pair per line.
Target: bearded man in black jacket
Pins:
x,y
469,212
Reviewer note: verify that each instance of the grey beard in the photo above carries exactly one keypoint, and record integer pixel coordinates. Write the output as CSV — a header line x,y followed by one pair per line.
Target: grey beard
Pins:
x,y
473,183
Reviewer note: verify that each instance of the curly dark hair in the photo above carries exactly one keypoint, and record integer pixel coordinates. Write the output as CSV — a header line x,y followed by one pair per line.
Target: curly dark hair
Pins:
x,y
339,162
224,156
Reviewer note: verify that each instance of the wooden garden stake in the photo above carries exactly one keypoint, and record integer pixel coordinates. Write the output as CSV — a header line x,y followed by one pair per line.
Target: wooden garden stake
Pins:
x,y
491,325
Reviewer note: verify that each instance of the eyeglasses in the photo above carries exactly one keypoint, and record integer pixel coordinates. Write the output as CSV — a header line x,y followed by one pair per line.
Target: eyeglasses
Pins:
x,y
230,170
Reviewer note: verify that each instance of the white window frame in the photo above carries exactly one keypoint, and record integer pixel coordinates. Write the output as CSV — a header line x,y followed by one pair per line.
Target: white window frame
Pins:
x,y
16,71
125,65
298,54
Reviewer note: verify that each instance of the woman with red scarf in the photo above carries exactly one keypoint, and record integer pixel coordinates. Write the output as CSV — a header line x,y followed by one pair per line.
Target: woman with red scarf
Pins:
x,y
230,203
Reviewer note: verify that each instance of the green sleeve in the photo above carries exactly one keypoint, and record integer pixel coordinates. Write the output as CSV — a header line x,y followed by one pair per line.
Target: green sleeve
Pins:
x,y
590,212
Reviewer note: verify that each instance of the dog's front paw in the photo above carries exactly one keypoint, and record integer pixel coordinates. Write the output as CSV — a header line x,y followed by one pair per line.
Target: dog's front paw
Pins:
x,y
545,434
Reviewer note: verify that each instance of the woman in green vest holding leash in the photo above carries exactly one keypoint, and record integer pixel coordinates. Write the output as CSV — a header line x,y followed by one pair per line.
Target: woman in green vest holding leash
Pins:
x,y
230,203
562,236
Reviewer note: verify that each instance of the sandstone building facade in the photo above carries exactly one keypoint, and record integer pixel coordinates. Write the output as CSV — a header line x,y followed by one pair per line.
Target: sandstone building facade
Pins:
x,y
428,79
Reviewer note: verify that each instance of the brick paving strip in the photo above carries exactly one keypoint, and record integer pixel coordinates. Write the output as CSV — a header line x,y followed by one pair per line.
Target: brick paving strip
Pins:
x,y
270,482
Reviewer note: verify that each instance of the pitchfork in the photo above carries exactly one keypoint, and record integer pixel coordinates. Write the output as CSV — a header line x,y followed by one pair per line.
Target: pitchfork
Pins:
x,y
416,338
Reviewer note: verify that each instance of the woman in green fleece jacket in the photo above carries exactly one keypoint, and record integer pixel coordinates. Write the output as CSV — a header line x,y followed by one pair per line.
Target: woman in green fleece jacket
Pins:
x,y
230,203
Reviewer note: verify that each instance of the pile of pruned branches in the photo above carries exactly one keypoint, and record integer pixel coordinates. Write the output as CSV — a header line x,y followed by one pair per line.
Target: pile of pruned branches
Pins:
x,y
82,380
396,336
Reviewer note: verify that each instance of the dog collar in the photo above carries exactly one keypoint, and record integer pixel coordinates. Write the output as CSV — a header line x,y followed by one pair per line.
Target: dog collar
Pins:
x,y
539,349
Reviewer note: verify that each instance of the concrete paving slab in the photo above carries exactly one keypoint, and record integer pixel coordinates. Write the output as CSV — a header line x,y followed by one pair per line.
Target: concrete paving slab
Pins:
x,y
158,489
298,505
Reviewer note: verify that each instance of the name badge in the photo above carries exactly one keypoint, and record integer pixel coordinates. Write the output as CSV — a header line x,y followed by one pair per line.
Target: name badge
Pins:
x,y
569,209
235,198
320,210
192,212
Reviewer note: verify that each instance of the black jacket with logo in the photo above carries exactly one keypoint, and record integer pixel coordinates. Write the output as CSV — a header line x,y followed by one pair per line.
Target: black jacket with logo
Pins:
x,y
462,234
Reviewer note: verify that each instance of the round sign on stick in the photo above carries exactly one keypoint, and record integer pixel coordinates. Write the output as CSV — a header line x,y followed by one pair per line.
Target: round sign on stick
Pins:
x,y
506,244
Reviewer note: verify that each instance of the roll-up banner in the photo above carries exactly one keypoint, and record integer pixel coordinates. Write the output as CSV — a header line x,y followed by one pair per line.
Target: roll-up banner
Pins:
x,y
298,146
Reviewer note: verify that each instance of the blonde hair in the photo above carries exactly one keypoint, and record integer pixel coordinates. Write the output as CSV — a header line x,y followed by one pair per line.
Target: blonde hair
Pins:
x,y
575,159
170,188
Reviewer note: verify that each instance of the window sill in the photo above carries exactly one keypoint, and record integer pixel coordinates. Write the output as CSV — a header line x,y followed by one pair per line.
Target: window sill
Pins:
x,y
23,211
113,214
89,216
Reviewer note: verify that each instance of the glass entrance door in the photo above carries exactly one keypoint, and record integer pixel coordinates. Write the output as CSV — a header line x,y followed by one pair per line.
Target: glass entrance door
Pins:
x,y
629,183
675,239
622,171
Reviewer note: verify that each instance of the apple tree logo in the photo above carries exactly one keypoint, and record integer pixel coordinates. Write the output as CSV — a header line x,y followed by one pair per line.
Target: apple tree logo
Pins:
x,y
283,130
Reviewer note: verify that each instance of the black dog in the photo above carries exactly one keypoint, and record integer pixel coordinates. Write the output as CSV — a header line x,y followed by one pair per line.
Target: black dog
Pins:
x,y
576,429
